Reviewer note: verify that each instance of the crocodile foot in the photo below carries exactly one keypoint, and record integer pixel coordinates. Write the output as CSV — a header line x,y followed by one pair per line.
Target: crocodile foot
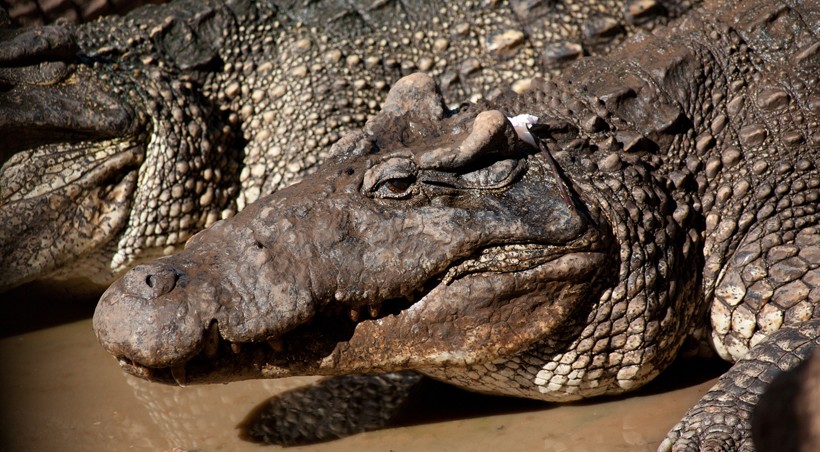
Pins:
x,y
722,419
333,408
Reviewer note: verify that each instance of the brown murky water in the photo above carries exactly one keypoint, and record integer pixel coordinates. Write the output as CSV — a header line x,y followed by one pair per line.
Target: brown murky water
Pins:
x,y
61,391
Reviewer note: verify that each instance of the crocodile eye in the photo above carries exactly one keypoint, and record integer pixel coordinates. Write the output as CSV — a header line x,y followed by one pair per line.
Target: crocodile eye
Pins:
x,y
394,178
399,185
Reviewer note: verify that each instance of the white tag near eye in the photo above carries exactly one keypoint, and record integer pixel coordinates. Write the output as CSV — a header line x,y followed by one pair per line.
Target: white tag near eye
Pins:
x,y
522,124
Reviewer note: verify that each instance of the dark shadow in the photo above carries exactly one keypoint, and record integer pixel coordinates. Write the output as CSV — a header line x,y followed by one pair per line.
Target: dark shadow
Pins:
x,y
685,373
432,401
435,402
438,402
36,306
300,416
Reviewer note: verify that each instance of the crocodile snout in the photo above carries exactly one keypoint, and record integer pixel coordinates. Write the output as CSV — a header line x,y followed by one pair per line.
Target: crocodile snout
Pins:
x,y
142,317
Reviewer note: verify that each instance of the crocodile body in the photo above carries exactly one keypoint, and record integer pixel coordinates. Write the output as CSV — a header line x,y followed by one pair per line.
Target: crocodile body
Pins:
x,y
665,196
128,135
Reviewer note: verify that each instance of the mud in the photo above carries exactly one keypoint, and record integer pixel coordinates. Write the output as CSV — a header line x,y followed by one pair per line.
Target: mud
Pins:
x,y
61,391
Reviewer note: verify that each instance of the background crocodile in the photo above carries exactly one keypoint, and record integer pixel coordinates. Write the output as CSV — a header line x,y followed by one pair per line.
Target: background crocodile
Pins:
x,y
128,135
670,194
41,12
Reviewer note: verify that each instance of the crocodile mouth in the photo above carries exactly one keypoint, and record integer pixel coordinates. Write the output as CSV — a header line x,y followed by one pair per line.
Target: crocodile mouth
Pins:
x,y
76,198
298,350
214,357
220,359
73,107
306,349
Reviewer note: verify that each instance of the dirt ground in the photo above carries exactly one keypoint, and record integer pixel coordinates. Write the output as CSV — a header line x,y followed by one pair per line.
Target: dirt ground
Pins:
x,y
61,391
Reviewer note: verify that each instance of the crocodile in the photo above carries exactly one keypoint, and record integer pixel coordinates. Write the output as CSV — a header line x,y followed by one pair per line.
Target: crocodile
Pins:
x,y
562,243
127,135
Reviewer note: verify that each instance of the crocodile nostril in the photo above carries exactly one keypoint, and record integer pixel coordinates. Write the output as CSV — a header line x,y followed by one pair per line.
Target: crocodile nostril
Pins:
x,y
152,281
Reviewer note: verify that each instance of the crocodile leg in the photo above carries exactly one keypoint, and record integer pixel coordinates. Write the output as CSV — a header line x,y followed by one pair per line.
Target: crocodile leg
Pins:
x,y
773,278
334,408
722,418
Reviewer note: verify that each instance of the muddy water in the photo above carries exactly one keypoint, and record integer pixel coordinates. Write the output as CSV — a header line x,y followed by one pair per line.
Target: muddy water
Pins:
x,y
60,391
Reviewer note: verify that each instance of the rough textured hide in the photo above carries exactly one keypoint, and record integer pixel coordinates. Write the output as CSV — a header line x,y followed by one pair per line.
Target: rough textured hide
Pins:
x,y
41,12
672,197
217,103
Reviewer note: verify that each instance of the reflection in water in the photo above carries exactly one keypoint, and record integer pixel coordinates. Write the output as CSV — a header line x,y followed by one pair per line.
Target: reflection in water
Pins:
x,y
61,391
183,414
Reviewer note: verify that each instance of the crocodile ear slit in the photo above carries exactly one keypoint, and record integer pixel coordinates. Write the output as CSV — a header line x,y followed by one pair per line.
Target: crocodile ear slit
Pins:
x,y
562,187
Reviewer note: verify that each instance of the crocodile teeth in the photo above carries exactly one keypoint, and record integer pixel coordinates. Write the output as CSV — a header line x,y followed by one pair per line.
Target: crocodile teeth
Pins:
x,y
178,372
276,345
375,309
211,345
236,348
354,315
136,369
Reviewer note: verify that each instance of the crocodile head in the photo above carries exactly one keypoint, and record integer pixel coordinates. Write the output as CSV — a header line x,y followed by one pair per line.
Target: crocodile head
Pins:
x,y
69,158
430,239
84,142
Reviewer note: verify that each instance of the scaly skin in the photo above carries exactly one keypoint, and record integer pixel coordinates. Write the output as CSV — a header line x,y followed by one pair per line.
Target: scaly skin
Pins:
x,y
40,12
210,105
672,196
